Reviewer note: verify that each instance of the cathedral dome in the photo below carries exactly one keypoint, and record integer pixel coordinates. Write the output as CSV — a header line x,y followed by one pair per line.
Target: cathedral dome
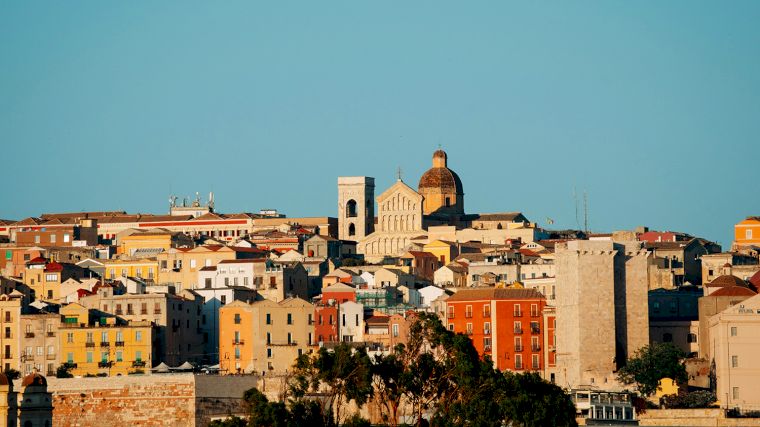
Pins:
x,y
440,177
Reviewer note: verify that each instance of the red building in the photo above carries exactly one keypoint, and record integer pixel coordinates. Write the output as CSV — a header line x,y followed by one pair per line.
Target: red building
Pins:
x,y
326,312
506,325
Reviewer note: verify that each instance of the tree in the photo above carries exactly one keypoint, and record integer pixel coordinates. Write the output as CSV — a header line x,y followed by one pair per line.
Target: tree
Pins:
x,y
652,363
343,374
64,371
12,374
229,422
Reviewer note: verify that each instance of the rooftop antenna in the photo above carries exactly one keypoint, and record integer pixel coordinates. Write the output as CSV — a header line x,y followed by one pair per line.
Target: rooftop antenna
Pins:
x,y
585,211
398,173
575,199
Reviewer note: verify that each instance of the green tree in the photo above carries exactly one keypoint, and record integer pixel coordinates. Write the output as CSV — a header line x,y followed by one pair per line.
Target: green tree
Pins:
x,y
652,363
229,422
12,374
343,374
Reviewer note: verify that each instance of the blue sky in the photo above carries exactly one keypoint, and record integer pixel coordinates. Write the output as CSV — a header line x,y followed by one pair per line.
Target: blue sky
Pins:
x,y
652,108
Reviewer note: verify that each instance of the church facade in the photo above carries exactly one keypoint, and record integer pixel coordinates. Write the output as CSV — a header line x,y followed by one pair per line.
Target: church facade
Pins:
x,y
403,213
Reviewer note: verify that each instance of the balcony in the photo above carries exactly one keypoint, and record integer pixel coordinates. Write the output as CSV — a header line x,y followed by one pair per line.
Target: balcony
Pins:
x,y
29,335
468,314
119,312
535,366
89,344
535,330
535,347
534,314
138,364
450,315
144,312
518,348
487,332
105,344
238,342
518,331
104,364
50,357
119,343
518,366
487,347
130,313
281,343
517,314
51,334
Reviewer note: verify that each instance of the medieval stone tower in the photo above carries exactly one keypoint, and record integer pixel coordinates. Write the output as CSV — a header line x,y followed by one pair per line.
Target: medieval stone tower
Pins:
x,y
356,207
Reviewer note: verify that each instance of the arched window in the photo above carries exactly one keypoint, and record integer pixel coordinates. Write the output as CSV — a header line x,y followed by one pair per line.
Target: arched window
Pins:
x,y
351,230
351,208
667,337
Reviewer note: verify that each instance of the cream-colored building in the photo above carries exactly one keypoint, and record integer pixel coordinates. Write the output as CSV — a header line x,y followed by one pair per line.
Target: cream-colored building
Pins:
x,y
10,330
264,336
178,336
180,266
39,343
734,345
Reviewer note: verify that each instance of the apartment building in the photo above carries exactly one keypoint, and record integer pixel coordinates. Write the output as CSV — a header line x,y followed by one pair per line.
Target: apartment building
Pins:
x,y
10,330
180,266
264,336
44,277
39,343
143,268
91,344
505,324
178,334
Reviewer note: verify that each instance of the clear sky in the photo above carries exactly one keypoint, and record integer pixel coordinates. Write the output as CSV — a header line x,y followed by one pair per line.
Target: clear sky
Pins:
x,y
652,108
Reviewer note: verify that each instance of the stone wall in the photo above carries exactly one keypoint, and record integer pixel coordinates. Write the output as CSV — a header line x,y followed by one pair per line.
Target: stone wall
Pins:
x,y
692,418
150,400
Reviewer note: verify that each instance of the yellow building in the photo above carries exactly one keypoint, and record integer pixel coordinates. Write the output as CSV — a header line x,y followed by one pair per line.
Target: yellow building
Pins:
x,y
44,278
264,336
10,330
443,250
747,232
146,268
103,346
156,240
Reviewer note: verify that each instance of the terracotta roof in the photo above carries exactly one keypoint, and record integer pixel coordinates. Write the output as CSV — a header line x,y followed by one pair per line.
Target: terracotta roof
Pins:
x,y
92,214
530,253
495,293
38,260
725,281
54,266
733,291
503,216
419,254
755,279
242,261
441,178
378,320
33,379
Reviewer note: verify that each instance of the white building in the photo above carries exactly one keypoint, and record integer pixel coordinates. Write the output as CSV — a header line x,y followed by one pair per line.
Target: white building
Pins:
x,y
351,318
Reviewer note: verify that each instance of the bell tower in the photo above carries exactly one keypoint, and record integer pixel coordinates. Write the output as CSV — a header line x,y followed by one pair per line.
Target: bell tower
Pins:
x,y
356,207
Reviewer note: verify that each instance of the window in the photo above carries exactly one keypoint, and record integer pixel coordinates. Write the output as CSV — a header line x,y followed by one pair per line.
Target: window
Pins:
x,y
734,331
734,361
51,277
66,237
119,356
138,356
104,356
237,337
89,337
691,337
40,351
469,329
269,338
37,239
518,361
735,392
269,319
486,343
192,263
119,337
486,310
7,316
50,350
395,329
517,310
518,327
451,312
237,353
468,311
269,353
748,234
290,319
290,338
70,337
534,362
237,318
487,328
223,299
138,336
52,238
7,332
89,357
451,327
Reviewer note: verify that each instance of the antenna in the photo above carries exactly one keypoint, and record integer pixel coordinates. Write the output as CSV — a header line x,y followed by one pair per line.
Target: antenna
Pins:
x,y
585,211
398,173
575,200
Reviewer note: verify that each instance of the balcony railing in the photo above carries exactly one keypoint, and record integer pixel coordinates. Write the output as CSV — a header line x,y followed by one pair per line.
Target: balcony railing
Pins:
x,y
487,332
535,366
518,365
119,312
138,364
102,364
468,314
451,315
518,348
89,344
105,344
518,313
238,342
281,343
518,331
487,347
50,357
535,347
51,334
534,314
535,330
119,343
144,311
29,335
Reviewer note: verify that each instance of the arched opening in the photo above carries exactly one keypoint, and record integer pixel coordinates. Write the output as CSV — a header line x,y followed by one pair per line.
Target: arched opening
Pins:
x,y
351,230
351,208
448,201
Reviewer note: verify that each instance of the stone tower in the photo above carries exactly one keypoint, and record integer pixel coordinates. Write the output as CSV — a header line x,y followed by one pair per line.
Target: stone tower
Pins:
x,y
356,207
441,188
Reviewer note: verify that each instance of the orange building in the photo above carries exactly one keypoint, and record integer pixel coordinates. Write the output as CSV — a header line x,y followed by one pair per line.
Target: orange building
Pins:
x,y
747,232
326,325
506,325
